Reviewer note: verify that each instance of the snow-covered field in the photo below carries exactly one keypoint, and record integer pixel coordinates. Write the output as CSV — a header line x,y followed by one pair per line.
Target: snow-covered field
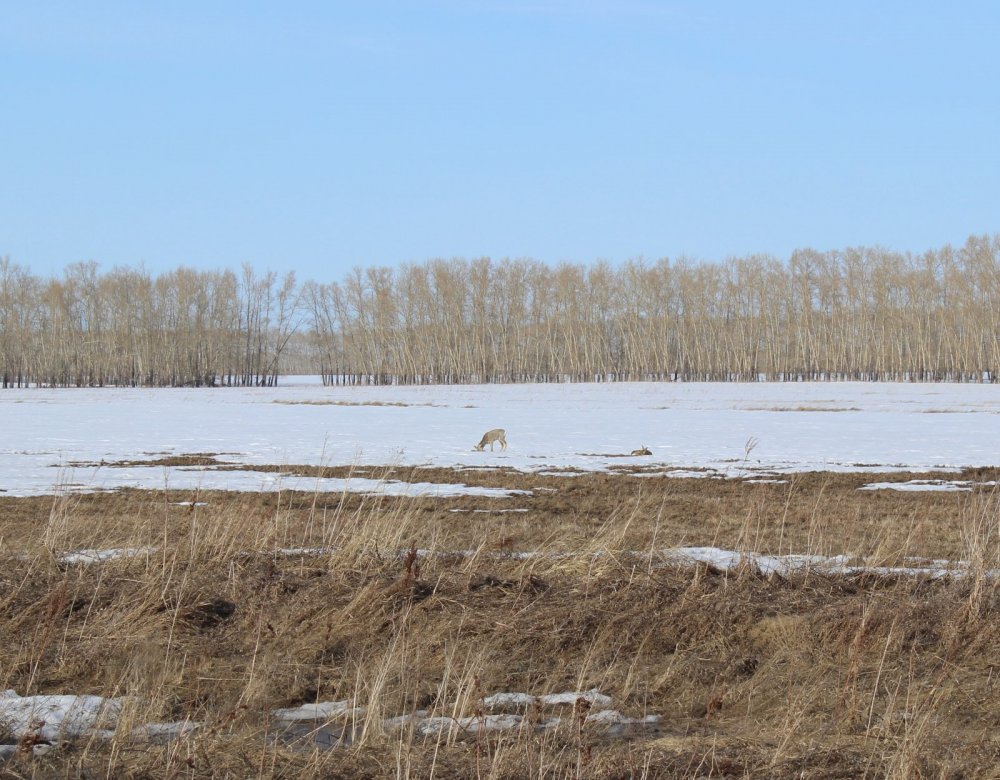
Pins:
x,y
765,429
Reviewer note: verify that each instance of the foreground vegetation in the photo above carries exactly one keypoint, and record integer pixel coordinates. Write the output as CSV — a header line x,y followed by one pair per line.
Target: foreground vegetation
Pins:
x,y
217,619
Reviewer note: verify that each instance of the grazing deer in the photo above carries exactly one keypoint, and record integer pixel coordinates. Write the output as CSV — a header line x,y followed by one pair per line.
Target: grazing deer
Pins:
x,y
643,451
497,434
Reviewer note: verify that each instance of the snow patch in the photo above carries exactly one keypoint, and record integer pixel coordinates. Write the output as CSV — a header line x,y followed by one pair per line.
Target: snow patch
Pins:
x,y
444,727
593,696
921,485
100,556
728,560
54,718
164,732
488,511
324,718
319,711
509,701
725,560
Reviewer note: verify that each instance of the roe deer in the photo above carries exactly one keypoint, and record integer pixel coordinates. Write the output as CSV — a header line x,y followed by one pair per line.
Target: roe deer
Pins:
x,y
497,434
643,451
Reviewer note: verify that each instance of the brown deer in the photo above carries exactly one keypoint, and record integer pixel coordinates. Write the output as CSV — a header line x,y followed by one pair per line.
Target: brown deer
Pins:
x,y
497,434
644,451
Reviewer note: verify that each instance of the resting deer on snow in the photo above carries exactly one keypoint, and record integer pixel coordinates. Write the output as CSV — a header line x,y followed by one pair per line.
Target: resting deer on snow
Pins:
x,y
643,451
497,434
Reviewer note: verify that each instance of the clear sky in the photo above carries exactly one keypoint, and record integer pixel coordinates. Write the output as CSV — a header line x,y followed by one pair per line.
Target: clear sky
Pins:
x,y
317,136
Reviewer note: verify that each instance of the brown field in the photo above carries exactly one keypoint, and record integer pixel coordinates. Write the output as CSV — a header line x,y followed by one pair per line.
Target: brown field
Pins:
x,y
752,676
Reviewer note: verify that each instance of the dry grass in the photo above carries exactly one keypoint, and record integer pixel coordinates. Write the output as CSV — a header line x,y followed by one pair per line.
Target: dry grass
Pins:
x,y
347,403
807,676
803,408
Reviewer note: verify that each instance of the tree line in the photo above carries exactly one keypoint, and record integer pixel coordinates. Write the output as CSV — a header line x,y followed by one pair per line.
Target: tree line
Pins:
x,y
860,314
127,328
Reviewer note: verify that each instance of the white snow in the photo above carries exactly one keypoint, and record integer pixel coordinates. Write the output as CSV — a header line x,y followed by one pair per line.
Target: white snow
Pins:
x,y
880,427
924,485
615,718
54,718
523,700
401,721
593,696
725,560
193,478
319,711
612,722
441,726
728,560
99,556
509,700
488,511
159,732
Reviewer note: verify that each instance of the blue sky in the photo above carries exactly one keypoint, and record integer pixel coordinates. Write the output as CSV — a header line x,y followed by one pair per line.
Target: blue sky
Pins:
x,y
317,136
